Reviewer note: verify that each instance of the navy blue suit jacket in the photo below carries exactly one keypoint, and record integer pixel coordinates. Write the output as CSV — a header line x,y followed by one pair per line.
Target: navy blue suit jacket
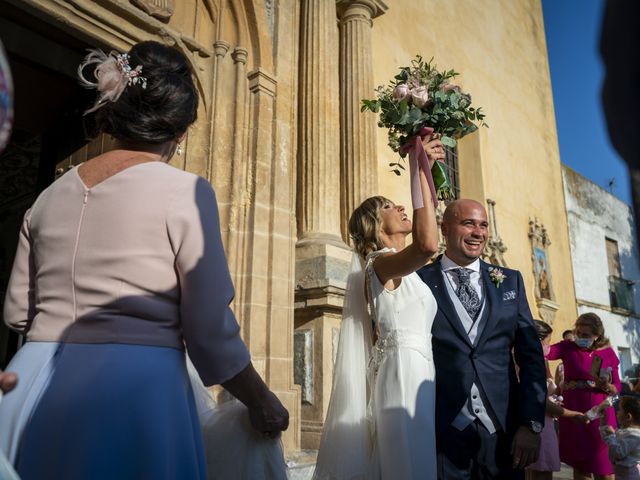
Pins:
x,y
509,327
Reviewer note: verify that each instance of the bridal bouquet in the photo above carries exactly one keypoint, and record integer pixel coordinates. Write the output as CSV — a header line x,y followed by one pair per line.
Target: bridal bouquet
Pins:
x,y
419,101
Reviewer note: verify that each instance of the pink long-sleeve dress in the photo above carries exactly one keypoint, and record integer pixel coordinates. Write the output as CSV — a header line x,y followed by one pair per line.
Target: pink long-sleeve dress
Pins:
x,y
580,445
109,285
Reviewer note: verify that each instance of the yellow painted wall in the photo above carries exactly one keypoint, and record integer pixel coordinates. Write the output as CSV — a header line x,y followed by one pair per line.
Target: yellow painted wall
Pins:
x,y
499,48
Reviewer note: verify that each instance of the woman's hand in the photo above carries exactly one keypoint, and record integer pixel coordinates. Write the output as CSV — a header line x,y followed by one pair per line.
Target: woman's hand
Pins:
x,y
576,417
433,148
266,413
604,385
8,381
269,417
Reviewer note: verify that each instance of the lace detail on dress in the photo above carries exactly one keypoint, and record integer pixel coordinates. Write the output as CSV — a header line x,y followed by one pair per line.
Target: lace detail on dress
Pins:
x,y
391,341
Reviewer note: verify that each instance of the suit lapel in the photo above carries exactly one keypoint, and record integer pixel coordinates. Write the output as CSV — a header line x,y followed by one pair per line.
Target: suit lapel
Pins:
x,y
445,305
492,301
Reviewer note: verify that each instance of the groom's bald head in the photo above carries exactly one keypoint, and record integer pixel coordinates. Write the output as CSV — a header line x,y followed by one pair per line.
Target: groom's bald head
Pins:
x,y
465,228
455,208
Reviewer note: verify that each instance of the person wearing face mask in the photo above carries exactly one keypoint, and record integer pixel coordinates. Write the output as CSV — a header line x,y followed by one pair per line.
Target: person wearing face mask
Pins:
x,y
583,389
549,459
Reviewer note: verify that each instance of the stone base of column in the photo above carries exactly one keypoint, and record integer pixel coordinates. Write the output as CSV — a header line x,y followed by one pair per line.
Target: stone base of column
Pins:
x,y
322,266
291,400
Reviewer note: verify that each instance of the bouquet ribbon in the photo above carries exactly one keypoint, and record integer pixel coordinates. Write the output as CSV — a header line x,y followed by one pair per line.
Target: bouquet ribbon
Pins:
x,y
418,160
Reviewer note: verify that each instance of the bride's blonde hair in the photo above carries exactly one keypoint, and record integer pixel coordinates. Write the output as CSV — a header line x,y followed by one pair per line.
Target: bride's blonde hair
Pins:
x,y
364,226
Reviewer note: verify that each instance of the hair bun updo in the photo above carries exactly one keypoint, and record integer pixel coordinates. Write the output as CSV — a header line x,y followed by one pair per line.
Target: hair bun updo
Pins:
x,y
164,109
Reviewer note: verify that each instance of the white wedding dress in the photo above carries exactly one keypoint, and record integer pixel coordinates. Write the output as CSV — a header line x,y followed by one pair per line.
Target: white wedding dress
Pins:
x,y
404,396
380,423
233,449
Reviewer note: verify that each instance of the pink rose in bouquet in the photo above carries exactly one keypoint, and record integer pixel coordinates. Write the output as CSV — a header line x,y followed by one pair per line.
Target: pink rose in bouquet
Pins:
x,y
401,92
450,87
420,96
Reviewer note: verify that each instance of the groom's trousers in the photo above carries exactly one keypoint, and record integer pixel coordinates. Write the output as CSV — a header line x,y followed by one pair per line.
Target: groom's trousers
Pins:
x,y
474,453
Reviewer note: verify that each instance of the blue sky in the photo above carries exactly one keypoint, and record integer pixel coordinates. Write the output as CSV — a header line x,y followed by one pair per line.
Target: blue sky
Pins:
x,y
573,33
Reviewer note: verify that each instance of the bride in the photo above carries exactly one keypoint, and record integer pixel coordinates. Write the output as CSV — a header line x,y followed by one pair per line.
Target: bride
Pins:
x,y
380,423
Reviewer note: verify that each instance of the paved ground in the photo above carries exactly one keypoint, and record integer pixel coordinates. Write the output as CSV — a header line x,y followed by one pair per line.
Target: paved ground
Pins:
x,y
301,467
565,473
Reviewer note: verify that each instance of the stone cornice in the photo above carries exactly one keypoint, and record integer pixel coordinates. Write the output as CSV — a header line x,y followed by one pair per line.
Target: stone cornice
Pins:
x,y
120,34
600,306
376,7
262,81
119,24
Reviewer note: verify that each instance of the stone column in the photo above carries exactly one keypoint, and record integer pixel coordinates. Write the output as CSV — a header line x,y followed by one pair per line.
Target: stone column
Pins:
x,y
322,258
220,48
318,140
238,177
359,161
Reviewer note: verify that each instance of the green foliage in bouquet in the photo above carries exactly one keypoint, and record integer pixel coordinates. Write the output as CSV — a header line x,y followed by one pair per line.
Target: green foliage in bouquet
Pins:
x,y
421,96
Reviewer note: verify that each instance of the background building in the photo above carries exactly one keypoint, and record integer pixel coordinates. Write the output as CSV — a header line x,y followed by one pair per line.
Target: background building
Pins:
x,y
604,253
281,138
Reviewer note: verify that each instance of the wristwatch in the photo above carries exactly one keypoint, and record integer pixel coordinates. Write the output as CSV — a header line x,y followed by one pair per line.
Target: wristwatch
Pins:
x,y
535,427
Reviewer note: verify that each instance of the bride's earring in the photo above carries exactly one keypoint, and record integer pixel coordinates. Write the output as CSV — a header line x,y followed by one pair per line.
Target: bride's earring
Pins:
x,y
179,149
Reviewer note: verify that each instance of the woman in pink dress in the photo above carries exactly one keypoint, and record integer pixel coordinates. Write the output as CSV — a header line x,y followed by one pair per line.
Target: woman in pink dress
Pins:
x,y
549,457
580,444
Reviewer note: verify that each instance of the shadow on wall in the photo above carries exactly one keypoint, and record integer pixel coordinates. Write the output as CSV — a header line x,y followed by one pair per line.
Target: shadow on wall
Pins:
x,y
632,332
630,270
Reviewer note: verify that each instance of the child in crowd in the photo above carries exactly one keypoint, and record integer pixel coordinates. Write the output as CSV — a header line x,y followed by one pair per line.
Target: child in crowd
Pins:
x,y
624,444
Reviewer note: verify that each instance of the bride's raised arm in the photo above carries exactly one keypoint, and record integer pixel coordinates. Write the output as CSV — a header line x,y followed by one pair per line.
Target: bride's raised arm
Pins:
x,y
424,231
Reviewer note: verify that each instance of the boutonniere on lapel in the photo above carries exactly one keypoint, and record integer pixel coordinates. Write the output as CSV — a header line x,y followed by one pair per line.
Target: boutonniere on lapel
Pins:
x,y
497,276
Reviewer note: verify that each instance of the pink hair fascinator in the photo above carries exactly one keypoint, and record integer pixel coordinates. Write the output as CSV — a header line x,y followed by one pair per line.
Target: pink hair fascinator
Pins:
x,y
113,74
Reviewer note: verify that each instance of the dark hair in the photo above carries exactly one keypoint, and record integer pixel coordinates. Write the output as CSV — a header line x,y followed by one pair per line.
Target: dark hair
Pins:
x,y
631,405
567,332
164,109
593,321
543,329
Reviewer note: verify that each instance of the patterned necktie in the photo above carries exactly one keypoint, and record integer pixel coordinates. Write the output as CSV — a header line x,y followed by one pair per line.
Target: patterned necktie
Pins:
x,y
467,294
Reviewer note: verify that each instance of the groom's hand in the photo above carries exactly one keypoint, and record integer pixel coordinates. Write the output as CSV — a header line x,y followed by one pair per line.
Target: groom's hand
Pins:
x,y
525,448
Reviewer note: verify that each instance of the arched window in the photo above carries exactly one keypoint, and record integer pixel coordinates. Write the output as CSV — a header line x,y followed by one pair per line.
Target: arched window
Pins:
x,y
451,161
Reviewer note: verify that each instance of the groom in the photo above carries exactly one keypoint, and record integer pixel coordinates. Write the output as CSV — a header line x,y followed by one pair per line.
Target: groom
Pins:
x,y
488,418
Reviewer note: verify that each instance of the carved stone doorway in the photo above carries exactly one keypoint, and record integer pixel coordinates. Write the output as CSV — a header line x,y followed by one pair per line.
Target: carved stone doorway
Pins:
x,y
48,128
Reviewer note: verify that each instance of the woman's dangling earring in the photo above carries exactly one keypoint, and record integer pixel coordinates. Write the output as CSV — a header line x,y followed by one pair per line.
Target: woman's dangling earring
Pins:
x,y
179,149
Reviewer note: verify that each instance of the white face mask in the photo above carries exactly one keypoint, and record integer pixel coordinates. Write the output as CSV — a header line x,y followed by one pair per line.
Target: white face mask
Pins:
x,y
584,342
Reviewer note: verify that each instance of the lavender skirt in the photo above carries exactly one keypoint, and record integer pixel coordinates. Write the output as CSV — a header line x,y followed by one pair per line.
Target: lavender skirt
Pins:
x,y
549,459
